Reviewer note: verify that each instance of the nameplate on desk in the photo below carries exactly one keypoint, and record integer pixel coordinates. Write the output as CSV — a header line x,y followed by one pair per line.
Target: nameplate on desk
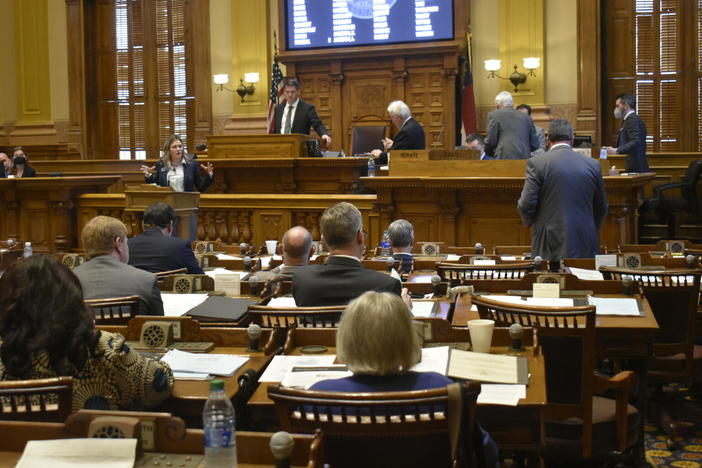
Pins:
x,y
483,367
549,290
229,283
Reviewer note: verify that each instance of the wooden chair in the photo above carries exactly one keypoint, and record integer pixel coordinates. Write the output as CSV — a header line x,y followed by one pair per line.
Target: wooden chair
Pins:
x,y
383,429
367,132
186,284
673,296
270,317
114,311
36,400
161,275
578,424
455,273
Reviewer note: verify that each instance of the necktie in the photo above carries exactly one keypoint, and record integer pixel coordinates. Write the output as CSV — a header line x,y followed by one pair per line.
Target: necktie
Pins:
x,y
286,128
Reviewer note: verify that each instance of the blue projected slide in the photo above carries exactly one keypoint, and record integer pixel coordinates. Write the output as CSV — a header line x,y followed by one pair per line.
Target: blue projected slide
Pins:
x,y
343,23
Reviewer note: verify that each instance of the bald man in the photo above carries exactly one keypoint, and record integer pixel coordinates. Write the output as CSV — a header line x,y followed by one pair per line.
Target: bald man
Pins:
x,y
297,251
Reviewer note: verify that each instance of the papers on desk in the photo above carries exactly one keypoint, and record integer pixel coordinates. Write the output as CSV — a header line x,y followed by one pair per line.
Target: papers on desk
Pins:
x,y
534,301
280,366
433,360
508,257
220,271
504,298
605,260
282,302
452,257
483,367
484,262
306,376
216,364
65,453
175,305
501,394
625,306
585,274
423,308
222,256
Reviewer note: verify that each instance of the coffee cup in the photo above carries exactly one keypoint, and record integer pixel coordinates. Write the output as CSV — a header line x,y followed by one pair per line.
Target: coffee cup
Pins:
x,y
481,334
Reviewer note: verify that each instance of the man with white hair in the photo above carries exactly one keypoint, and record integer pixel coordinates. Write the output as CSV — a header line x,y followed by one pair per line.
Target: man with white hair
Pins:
x,y
510,133
409,137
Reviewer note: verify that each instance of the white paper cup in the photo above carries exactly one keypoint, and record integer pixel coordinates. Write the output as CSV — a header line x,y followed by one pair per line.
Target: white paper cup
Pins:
x,y
481,334
270,246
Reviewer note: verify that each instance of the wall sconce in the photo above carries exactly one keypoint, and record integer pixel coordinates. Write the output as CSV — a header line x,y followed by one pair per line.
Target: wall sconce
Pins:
x,y
246,84
517,77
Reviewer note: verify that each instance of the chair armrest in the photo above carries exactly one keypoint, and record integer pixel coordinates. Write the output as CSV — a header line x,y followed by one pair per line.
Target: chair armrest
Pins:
x,y
663,187
620,383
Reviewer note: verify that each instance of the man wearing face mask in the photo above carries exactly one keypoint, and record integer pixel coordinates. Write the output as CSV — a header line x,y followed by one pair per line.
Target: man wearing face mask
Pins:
x,y
632,134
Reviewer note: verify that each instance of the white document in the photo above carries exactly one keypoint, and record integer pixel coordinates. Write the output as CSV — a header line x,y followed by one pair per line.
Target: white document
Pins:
x,y
217,364
507,299
422,308
395,275
282,302
175,305
452,257
484,262
226,257
306,376
220,271
615,306
605,260
585,274
230,283
501,394
550,301
65,453
192,375
508,257
484,367
433,360
281,365
546,290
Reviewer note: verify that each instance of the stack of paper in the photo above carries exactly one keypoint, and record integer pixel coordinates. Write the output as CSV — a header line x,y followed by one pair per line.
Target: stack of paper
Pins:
x,y
187,364
433,360
306,376
175,305
585,274
496,368
423,308
219,271
615,306
282,302
111,453
501,394
452,257
281,366
227,257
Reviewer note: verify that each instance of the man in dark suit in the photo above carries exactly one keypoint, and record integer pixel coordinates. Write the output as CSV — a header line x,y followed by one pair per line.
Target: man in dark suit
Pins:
x,y
5,165
107,274
155,249
475,141
342,278
297,116
401,234
510,133
563,199
409,137
632,134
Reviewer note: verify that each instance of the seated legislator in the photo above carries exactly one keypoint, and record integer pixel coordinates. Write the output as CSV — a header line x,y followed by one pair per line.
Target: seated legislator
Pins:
x,y
297,251
106,273
156,249
476,142
409,137
5,165
297,116
47,331
343,277
563,199
401,234
377,342
20,167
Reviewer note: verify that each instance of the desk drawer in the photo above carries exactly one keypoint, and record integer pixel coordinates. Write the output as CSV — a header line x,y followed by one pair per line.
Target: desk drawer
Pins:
x,y
611,345
512,427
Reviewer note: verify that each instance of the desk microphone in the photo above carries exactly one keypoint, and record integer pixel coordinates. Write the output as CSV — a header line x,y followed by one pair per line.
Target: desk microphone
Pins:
x,y
253,282
690,259
282,445
247,263
391,264
628,282
254,334
479,248
537,262
243,247
436,285
516,332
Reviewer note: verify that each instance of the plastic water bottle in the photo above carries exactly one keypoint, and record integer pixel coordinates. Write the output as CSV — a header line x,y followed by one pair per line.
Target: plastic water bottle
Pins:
x,y
27,249
218,424
371,166
385,245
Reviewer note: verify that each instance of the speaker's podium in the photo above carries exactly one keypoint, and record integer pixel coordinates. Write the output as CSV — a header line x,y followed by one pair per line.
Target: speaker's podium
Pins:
x,y
184,203
259,146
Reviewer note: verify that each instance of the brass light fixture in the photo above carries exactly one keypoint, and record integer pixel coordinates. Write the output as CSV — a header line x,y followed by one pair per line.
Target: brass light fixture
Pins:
x,y
516,78
246,84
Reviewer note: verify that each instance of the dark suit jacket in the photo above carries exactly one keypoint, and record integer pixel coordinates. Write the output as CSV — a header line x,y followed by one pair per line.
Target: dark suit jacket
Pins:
x,y
410,136
632,142
305,117
406,261
104,277
337,282
565,204
28,172
510,134
191,177
154,252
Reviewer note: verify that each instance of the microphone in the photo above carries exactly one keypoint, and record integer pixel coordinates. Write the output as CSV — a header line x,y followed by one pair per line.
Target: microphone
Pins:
x,y
243,247
253,282
391,264
628,282
479,248
247,263
254,334
690,259
436,285
516,332
282,445
537,262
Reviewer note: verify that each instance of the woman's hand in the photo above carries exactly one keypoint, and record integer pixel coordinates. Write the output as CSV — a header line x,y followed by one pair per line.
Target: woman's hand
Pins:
x,y
209,168
147,170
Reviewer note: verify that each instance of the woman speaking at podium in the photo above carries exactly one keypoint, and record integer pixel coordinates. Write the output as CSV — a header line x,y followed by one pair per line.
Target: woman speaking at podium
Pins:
x,y
176,169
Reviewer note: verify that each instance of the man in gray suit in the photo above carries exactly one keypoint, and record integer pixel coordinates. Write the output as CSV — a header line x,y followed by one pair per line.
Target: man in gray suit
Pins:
x,y
563,199
107,273
510,133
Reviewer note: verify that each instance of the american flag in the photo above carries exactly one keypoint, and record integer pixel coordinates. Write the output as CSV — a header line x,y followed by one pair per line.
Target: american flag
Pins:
x,y
468,111
276,92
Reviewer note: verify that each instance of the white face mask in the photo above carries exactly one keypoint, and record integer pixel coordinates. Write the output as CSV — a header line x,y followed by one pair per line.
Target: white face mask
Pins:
x,y
618,113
